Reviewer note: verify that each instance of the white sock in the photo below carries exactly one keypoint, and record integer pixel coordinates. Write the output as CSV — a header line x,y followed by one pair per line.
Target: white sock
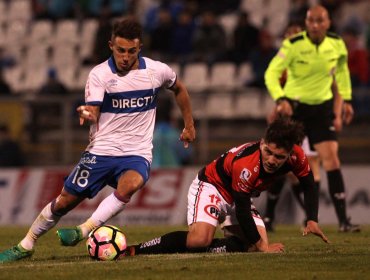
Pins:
x,y
43,223
107,209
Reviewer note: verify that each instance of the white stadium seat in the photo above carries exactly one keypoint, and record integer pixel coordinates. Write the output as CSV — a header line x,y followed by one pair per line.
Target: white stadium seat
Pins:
x,y
66,32
219,105
176,68
244,74
223,76
41,32
195,76
88,33
82,76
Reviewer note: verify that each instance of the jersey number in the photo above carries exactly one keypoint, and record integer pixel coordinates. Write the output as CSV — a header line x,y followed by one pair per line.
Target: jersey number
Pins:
x,y
81,177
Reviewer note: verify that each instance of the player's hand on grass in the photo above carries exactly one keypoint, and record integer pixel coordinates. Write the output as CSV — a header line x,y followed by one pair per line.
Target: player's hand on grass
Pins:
x,y
275,248
313,227
188,135
263,246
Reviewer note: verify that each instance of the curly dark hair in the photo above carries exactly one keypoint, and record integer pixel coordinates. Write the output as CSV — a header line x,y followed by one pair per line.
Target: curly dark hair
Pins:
x,y
284,133
127,28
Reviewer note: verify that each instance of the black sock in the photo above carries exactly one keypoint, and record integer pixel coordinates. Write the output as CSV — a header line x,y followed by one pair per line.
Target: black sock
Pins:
x,y
273,194
336,190
228,244
173,242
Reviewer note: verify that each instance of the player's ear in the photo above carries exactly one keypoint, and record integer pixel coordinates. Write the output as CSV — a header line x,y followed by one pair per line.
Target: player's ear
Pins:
x,y
110,44
262,142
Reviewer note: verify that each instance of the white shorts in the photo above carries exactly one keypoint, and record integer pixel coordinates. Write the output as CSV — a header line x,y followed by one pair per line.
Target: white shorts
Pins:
x,y
205,204
306,148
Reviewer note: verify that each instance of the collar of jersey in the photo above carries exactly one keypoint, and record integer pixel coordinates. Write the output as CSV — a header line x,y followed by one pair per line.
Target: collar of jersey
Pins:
x,y
113,68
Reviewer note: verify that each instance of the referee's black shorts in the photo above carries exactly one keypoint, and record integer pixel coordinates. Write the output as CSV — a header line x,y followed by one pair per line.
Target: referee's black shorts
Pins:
x,y
317,121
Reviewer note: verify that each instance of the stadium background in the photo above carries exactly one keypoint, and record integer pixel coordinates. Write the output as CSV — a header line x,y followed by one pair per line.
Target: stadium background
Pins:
x,y
227,112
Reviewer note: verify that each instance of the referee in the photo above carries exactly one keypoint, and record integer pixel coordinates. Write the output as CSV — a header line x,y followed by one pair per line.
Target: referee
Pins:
x,y
314,58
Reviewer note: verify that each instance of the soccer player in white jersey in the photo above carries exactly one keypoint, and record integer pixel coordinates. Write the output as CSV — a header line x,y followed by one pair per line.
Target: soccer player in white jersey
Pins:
x,y
120,98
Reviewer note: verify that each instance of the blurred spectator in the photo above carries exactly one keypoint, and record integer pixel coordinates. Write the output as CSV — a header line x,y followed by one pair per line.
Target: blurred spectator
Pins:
x,y
6,60
182,37
245,38
59,9
298,10
39,9
53,85
115,8
43,114
368,38
217,6
334,7
4,87
260,58
358,63
209,43
101,50
151,20
168,150
53,9
160,36
81,10
10,152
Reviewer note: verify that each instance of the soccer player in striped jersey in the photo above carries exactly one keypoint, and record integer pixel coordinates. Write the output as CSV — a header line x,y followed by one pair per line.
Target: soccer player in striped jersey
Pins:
x,y
120,95
222,192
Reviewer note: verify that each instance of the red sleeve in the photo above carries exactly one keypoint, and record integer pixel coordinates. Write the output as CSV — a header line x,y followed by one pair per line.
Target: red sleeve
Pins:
x,y
298,161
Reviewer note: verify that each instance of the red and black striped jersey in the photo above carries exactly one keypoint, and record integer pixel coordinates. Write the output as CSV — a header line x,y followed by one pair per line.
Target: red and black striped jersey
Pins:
x,y
241,169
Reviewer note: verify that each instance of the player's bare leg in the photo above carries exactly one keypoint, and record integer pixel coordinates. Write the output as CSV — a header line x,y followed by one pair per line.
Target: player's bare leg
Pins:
x,y
129,183
200,235
46,220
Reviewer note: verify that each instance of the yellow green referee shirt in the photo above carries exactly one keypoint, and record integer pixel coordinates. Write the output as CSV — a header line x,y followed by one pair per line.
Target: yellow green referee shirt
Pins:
x,y
311,69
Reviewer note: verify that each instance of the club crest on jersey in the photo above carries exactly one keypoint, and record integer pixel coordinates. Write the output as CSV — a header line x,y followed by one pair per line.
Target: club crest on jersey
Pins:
x,y
245,174
212,211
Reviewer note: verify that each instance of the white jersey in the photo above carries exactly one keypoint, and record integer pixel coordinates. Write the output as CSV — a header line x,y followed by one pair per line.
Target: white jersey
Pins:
x,y
127,106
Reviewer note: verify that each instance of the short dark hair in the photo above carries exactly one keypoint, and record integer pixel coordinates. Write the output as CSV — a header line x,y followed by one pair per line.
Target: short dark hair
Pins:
x,y
127,28
284,133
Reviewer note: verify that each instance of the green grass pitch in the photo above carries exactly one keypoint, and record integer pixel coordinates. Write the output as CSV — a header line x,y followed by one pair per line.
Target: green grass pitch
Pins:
x,y
347,257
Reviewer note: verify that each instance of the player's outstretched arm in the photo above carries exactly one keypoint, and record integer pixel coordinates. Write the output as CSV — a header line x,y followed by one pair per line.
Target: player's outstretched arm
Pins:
x,y
313,227
88,113
183,101
263,245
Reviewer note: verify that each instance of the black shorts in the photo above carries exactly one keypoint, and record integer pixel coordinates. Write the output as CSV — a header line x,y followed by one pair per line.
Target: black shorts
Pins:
x,y
317,121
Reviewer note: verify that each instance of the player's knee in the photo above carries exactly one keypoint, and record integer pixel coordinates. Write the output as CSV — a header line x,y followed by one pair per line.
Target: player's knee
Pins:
x,y
332,164
129,183
196,241
124,193
59,207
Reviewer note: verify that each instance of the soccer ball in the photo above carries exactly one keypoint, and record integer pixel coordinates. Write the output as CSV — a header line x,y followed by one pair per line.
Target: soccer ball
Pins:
x,y
106,243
